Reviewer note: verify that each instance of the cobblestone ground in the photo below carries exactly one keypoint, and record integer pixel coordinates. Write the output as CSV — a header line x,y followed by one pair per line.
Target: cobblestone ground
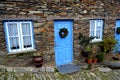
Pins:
x,y
81,75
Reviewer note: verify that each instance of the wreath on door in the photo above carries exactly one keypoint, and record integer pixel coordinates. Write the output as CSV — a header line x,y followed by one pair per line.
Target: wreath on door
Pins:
x,y
63,32
118,30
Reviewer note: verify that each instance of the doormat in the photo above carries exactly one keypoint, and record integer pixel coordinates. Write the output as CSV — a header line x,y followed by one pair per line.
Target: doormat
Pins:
x,y
68,68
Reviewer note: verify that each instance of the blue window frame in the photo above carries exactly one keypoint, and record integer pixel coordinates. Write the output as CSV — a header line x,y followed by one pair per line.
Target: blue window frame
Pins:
x,y
96,29
19,36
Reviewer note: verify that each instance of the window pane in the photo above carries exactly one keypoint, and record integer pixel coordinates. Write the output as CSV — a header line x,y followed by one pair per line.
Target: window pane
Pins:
x,y
91,33
92,25
27,41
26,28
98,34
12,29
99,23
14,43
98,27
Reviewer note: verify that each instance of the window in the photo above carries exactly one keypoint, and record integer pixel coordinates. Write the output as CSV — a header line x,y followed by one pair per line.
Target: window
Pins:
x,y
19,36
96,27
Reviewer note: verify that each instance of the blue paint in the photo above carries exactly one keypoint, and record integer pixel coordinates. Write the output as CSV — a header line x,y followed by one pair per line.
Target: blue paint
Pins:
x,y
63,46
117,37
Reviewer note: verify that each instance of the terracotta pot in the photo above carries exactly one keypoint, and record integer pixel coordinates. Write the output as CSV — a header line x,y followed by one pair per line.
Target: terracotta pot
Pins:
x,y
89,61
95,60
38,61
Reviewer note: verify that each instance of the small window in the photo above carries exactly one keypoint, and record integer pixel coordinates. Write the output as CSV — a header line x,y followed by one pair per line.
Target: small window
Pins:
x,y
96,28
19,36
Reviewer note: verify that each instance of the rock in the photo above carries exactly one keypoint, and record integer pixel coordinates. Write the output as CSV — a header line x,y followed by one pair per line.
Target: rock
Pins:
x,y
84,67
85,11
50,69
33,12
2,53
42,69
113,65
3,70
104,69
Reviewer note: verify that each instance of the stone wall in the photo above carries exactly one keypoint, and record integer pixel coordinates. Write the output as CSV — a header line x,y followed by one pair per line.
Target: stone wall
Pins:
x,y
44,12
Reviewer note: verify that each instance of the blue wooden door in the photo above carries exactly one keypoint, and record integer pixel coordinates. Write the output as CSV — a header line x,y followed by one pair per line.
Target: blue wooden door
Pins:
x,y
63,46
117,36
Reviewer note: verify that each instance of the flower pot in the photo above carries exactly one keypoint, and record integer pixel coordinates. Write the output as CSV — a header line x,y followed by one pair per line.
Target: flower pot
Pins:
x,y
38,61
89,61
95,60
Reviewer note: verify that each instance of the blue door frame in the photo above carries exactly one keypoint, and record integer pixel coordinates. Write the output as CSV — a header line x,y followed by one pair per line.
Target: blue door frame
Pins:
x,y
63,46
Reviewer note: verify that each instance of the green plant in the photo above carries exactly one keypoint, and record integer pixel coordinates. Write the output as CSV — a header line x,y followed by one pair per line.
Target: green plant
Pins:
x,y
107,44
84,40
88,48
100,57
37,54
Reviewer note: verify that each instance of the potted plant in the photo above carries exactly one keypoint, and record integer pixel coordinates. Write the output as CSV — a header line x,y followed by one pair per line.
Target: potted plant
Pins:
x,y
86,45
100,57
38,59
95,60
107,44
89,59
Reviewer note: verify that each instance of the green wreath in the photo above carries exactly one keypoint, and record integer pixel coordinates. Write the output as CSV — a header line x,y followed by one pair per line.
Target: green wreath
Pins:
x,y
63,32
118,30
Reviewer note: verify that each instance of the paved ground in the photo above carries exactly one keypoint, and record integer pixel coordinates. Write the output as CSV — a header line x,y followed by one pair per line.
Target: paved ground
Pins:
x,y
29,72
81,75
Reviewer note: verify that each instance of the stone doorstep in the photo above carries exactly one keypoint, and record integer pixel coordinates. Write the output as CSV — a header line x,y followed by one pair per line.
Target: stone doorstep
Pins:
x,y
26,69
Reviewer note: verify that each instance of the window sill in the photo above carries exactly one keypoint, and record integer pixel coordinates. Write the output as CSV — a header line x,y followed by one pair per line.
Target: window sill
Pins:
x,y
94,41
32,50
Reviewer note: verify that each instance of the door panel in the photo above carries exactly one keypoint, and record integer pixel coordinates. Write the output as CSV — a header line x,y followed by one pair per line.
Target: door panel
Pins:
x,y
63,46
117,37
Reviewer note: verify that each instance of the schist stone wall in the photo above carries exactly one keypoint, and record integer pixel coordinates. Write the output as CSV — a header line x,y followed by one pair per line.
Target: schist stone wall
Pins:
x,y
44,12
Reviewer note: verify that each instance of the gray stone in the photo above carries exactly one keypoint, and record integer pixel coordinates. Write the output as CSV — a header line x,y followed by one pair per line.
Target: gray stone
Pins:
x,y
50,69
19,70
2,53
3,70
85,11
104,69
11,4
22,12
43,6
2,5
34,12
9,69
84,67
57,0
38,24
42,69
9,8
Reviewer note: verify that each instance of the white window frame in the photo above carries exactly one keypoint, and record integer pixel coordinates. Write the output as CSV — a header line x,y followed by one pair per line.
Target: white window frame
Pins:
x,y
20,36
94,24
